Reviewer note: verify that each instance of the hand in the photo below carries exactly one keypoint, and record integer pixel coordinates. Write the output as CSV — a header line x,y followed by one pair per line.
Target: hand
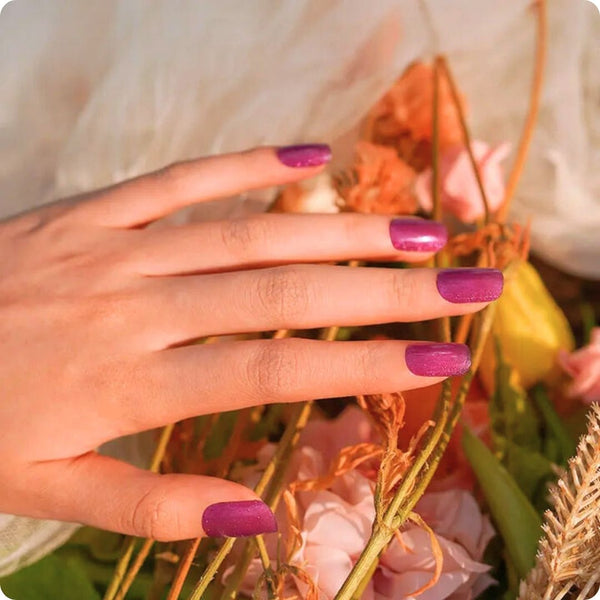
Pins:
x,y
97,312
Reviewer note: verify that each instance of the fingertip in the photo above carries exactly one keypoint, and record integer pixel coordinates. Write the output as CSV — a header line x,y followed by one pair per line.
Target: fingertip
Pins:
x,y
470,285
304,155
420,236
238,519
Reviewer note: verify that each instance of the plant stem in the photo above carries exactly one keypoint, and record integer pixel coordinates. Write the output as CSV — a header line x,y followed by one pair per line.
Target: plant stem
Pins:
x,y
184,568
534,107
466,136
121,568
435,154
211,569
445,333
135,567
273,476
377,542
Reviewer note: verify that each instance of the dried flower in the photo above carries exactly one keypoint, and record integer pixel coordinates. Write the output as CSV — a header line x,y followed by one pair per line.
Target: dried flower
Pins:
x,y
380,182
406,109
584,366
460,194
345,506
315,195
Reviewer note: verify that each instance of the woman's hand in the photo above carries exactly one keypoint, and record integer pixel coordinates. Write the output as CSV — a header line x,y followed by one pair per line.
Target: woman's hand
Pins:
x,y
97,312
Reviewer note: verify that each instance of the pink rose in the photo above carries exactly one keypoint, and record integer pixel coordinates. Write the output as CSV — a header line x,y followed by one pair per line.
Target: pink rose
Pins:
x,y
336,524
460,193
584,366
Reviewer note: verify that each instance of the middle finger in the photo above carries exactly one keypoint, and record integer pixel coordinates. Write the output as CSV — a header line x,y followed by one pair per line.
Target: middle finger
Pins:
x,y
309,296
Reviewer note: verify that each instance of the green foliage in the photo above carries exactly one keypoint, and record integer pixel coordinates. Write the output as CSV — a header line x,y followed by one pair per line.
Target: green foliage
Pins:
x,y
51,577
559,444
529,440
528,437
512,416
516,519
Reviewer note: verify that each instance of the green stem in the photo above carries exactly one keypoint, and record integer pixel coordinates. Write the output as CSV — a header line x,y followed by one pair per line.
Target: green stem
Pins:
x,y
211,569
121,568
364,566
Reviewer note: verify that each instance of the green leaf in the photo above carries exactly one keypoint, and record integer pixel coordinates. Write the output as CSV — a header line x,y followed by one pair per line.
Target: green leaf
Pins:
x,y
512,416
532,471
557,435
103,546
51,577
516,519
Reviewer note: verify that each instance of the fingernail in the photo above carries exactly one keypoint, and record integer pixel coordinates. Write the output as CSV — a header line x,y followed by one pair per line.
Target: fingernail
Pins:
x,y
438,360
417,235
306,155
238,519
470,285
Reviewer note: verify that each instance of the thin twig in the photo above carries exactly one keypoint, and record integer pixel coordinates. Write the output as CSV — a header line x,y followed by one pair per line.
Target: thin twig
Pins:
x,y
534,107
135,567
466,136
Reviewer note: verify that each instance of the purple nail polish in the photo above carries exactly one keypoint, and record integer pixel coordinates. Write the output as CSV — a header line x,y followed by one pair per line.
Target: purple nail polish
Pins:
x,y
470,285
306,155
238,519
437,360
417,235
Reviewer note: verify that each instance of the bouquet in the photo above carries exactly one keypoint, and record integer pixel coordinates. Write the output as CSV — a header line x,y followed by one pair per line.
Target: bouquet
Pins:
x,y
474,488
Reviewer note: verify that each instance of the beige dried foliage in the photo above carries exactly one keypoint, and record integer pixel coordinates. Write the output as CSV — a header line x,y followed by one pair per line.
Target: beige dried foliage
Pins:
x,y
568,559
387,412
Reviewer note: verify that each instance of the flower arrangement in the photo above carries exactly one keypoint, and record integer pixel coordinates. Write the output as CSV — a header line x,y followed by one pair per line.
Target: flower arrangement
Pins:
x,y
475,488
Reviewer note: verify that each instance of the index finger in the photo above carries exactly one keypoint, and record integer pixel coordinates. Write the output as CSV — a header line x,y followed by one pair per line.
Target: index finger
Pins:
x,y
152,196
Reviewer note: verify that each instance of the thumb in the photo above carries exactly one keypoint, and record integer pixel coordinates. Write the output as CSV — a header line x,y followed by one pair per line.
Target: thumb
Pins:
x,y
106,493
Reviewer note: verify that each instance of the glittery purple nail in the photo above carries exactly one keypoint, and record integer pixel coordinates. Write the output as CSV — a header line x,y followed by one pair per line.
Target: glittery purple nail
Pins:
x,y
437,360
470,285
306,155
417,235
238,519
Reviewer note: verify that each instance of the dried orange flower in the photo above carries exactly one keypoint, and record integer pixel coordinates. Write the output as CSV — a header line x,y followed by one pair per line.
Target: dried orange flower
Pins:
x,y
407,109
380,182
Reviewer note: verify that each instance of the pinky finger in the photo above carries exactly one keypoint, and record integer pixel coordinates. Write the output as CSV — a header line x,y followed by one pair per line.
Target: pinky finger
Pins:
x,y
103,492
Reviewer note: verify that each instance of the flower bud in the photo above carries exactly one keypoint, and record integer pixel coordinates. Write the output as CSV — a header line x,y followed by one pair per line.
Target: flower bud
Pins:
x,y
531,329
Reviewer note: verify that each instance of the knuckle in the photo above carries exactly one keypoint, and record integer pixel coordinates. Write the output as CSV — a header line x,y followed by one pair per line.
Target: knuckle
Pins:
x,y
172,178
401,288
368,362
154,516
242,237
272,371
283,293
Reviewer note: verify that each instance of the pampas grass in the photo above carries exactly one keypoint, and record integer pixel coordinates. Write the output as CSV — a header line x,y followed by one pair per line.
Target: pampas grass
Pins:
x,y
568,558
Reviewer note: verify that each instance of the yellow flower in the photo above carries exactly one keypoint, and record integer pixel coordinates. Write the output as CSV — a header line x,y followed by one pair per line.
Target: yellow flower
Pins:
x,y
531,329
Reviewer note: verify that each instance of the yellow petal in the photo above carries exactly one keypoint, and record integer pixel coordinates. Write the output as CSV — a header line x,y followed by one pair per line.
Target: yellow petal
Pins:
x,y
531,328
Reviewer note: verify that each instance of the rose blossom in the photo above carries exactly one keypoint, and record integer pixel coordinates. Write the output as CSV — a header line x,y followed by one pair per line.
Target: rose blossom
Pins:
x,y
584,366
460,194
336,522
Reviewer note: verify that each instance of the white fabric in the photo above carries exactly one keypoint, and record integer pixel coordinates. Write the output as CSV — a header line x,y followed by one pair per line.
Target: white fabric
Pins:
x,y
93,92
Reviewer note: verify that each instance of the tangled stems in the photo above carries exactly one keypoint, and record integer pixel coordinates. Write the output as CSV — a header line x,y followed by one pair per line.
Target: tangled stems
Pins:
x,y
420,472
269,486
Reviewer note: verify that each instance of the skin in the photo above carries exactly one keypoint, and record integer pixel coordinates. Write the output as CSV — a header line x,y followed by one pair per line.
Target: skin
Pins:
x,y
97,312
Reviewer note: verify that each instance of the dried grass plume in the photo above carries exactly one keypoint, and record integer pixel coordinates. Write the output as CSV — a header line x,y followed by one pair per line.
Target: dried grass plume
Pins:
x,y
568,559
